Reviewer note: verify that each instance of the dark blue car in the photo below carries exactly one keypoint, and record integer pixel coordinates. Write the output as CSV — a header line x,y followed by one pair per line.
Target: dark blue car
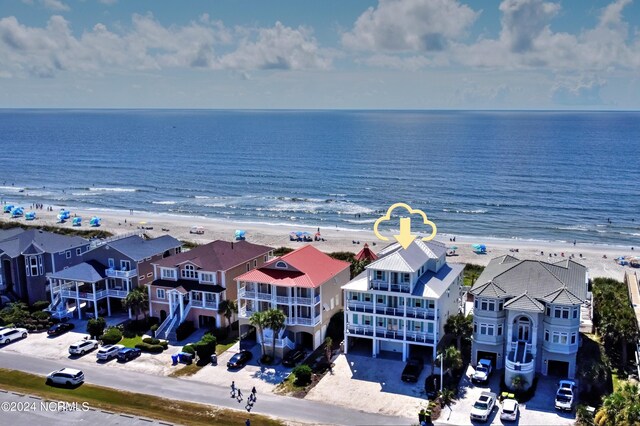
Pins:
x,y
127,354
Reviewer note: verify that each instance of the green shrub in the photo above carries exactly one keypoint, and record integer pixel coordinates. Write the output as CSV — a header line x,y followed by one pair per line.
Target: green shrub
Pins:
x,y
189,349
95,327
155,327
152,349
151,340
111,336
303,374
41,315
39,305
184,330
221,333
205,347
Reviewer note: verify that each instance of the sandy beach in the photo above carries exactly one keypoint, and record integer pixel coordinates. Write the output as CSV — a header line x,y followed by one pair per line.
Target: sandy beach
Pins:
x,y
119,222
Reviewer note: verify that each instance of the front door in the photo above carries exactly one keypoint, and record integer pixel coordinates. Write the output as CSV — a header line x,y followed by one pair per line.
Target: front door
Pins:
x,y
523,331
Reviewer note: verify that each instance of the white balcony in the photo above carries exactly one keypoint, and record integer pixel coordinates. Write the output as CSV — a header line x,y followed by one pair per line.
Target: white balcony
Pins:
x,y
114,273
386,286
522,367
420,337
117,293
356,306
303,321
248,294
264,296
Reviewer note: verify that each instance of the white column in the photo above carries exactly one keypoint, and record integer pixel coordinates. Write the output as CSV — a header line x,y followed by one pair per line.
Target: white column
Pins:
x,y
95,301
150,304
405,354
109,306
181,307
78,301
170,294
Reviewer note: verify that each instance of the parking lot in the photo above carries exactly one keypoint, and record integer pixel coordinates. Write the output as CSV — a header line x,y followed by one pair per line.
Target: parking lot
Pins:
x,y
539,410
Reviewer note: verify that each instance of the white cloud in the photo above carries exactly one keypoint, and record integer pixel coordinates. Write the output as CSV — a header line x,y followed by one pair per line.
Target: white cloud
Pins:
x,y
409,25
55,5
524,21
45,51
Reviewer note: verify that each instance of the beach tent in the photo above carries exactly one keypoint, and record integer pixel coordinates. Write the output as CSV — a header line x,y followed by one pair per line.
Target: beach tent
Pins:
x,y
77,221
64,214
30,216
95,221
8,208
240,234
479,248
366,254
17,212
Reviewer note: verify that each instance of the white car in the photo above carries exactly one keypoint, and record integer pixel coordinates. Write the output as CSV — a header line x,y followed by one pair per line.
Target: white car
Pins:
x,y
107,352
483,369
9,335
81,347
483,407
565,396
65,376
509,410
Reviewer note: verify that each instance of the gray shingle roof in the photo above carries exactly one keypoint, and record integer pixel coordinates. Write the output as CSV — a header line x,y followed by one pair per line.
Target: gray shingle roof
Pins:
x,y
524,302
89,272
17,242
562,296
138,249
490,289
409,260
537,278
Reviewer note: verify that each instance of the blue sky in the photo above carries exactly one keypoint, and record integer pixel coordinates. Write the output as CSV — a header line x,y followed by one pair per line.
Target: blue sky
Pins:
x,y
382,54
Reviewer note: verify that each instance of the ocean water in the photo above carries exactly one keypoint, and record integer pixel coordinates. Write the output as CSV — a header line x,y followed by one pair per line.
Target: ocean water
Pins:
x,y
529,175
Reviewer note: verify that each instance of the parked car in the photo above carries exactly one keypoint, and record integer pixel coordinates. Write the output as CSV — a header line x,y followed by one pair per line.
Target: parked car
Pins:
x,y
81,347
65,376
108,351
11,334
565,396
60,328
127,354
483,370
510,410
292,358
412,370
240,359
432,386
483,407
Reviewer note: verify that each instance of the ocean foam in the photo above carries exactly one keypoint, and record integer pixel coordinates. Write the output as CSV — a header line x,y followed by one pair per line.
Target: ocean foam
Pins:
x,y
110,189
165,203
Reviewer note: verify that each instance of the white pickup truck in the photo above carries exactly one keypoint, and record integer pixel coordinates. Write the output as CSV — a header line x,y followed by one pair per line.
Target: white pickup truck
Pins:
x,y
483,370
565,396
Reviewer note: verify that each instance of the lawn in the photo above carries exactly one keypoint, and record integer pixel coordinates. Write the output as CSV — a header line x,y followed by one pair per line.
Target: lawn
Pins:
x,y
178,412
130,342
471,273
225,344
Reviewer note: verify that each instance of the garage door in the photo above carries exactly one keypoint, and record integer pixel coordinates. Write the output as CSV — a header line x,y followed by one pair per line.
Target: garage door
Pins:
x,y
558,368
491,356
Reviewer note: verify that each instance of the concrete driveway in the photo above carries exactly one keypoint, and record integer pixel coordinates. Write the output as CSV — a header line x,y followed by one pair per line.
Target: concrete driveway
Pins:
x,y
264,378
539,410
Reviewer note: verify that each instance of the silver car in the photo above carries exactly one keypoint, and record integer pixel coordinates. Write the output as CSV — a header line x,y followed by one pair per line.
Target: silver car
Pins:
x,y
109,351
65,376
510,410
9,335
83,346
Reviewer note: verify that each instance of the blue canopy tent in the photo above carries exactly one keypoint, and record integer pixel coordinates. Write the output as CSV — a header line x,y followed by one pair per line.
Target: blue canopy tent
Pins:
x,y
30,216
8,208
77,221
95,221
240,235
64,214
479,248
17,212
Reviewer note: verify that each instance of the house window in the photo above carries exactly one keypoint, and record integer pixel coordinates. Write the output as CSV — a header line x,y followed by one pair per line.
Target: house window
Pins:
x,y
431,304
499,330
380,322
281,265
68,254
125,265
366,320
78,251
168,273
575,312
367,297
255,263
32,266
160,293
355,319
475,327
405,277
189,271
501,305
546,335
561,312
380,299
548,310
483,328
248,266
574,338
379,275
475,304
429,327
206,277
150,274
265,258
560,337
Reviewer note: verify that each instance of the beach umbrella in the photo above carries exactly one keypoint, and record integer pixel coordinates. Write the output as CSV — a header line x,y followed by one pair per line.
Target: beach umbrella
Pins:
x,y
8,208
77,221
30,216
240,234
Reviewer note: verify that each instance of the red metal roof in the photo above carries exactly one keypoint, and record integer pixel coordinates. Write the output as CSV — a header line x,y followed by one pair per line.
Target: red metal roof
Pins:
x,y
366,254
306,267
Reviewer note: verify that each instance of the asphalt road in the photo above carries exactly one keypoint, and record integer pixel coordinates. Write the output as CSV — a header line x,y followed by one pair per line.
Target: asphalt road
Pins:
x,y
188,390
25,410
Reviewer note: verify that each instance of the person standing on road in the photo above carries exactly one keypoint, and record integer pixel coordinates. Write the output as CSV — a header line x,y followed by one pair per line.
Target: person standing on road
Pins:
x,y
239,395
254,392
233,389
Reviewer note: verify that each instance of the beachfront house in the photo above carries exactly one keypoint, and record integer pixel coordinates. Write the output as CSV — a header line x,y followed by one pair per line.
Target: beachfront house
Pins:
x,y
526,316
401,302
305,285
27,256
109,270
189,286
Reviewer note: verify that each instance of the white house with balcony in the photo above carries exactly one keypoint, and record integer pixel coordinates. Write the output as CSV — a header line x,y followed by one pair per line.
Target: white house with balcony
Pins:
x,y
305,285
402,300
527,316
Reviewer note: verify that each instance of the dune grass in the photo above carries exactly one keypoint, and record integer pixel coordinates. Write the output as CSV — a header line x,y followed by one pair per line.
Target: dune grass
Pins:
x,y
178,412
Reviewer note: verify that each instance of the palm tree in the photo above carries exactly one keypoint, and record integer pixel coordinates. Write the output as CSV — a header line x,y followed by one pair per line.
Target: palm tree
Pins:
x,y
328,347
452,360
461,326
275,320
621,407
259,321
518,383
138,301
228,308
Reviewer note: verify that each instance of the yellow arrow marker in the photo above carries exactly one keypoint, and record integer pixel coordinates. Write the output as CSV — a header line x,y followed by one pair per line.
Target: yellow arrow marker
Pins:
x,y
405,238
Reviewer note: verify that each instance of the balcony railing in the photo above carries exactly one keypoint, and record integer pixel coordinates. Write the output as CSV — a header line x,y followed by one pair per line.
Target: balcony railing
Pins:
x,y
388,310
245,312
389,334
360,330
283,299
117,293
303,321
385,286
421,313
83,295
360,306
248,294
210,304
280,343
197,303
114,273
417,336
264,296
526,367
